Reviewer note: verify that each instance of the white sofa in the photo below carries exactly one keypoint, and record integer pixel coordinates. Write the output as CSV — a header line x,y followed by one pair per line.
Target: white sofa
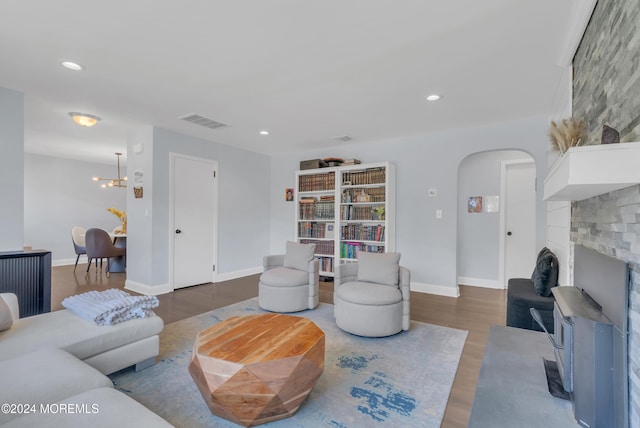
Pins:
x,y
57,358
106,348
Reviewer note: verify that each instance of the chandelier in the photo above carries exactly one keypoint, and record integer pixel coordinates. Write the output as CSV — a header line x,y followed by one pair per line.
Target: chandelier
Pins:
x,y
113,182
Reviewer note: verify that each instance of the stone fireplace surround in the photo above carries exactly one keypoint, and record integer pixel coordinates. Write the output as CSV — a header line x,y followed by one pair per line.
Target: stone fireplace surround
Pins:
x,y
605,89
610,224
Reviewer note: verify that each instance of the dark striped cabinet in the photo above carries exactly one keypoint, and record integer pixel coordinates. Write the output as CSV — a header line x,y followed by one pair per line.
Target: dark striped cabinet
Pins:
x,y
28,275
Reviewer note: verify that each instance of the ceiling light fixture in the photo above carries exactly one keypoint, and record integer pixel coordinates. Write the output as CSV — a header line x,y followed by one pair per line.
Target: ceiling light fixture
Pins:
x,y
264,132
84,119
72,65
433,97
113,182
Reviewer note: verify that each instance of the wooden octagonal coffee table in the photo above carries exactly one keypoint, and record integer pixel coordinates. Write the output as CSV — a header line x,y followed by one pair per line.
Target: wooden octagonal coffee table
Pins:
x,y
258,368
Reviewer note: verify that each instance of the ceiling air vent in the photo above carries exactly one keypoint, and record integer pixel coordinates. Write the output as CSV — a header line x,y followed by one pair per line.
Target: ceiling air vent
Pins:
x,y
203,121
342,138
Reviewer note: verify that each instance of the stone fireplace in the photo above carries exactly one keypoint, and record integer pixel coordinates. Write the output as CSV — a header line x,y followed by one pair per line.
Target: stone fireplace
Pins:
x,y
606,90
610,224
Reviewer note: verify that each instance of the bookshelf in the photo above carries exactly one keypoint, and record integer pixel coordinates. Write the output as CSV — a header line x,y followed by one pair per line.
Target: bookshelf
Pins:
x,y
345,210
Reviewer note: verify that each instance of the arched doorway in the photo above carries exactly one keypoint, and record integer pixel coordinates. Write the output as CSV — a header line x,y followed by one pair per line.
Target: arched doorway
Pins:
x,y
495,188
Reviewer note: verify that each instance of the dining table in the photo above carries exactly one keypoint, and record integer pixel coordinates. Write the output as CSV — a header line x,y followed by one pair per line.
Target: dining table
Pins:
x,y
118,264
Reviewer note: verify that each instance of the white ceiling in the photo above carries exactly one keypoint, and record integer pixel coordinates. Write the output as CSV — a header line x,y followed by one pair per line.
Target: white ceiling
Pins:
x,y
305,70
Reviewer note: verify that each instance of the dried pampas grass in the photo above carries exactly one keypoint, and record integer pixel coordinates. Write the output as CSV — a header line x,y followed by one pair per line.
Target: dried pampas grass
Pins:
x,y
566,134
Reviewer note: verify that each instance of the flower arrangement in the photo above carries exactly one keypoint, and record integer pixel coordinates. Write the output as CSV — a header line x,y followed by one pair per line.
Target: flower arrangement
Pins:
x,y
566,134
123,218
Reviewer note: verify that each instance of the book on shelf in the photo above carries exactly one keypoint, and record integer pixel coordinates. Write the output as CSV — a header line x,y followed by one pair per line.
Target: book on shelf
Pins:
x,y
350,250
322,247
316,182
367,176
329,232
362,232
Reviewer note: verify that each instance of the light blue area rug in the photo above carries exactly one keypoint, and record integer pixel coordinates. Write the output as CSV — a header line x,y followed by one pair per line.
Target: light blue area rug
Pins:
x,y
398,381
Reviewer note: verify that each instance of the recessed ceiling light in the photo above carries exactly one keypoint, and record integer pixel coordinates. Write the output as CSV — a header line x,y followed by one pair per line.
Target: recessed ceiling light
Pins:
x,y
433,97
72,66
264,132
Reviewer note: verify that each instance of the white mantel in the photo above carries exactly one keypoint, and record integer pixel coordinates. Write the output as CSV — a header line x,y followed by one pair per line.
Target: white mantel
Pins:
x,y
588,171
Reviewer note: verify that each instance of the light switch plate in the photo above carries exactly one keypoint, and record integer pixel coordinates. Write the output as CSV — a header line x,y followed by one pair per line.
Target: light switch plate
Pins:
x,y
438,213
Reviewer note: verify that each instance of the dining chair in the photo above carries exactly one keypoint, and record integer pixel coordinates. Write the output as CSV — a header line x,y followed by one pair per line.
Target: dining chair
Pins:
x,y
100,246
78,238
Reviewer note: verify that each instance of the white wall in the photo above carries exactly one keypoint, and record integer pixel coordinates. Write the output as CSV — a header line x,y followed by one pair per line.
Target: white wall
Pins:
x,y
479,233
243,211
428,245
559,212
58,195
11,169
140,245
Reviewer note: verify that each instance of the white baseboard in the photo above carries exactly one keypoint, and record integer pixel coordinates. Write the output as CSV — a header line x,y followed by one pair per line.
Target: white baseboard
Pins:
x,y
67,262
149,290
479,282
441,290
228,276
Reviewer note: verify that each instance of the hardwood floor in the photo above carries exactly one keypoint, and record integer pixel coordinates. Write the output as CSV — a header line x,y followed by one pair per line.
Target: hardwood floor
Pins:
x,y
475,311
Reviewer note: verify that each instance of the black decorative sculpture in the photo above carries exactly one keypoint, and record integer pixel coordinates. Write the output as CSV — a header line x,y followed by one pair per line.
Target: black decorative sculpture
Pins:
x,y
610,135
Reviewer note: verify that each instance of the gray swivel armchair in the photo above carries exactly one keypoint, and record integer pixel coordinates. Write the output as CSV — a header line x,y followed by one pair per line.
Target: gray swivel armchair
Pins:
x,y
100,246
371,298
290,281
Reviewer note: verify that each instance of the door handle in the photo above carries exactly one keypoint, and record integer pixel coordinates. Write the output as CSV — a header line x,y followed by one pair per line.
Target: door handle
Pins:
x,y
178,231
508,233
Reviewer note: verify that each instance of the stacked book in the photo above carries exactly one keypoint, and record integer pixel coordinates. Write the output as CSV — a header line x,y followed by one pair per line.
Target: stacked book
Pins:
x,y
362,232
350,212
311,230
322,247
317,182
326,264
367,176
349,250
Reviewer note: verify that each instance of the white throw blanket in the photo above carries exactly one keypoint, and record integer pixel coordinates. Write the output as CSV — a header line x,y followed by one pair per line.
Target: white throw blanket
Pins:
x,y
111,306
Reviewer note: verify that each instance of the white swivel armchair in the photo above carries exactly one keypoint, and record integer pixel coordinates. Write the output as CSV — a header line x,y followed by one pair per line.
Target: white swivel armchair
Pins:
x,y
290,281
371,298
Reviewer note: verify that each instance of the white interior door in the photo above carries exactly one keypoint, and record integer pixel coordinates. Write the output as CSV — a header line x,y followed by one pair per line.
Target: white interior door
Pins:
x,y
519,232
193,201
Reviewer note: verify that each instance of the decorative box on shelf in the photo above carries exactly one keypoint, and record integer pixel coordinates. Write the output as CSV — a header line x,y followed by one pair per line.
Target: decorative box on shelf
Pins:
x,y
313,164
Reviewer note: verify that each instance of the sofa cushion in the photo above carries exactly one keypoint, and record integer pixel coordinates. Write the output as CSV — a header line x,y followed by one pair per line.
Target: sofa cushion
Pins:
x,y
381,268
284,277
367,293
298,255
45,376
545,274
96,408
6,319
64,330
